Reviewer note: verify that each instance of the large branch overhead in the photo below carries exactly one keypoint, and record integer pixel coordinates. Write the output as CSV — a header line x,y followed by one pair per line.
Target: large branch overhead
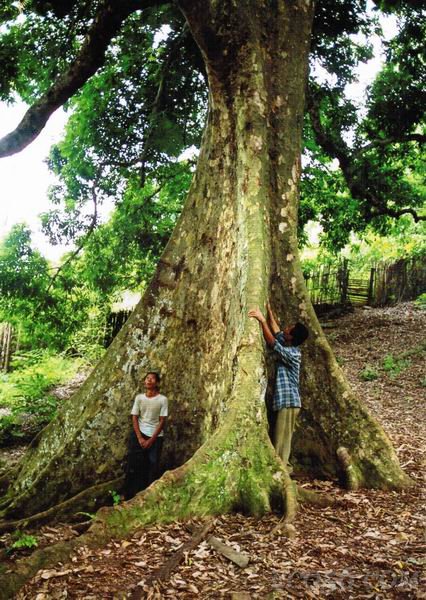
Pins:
x,y
402,139
91,57
335,146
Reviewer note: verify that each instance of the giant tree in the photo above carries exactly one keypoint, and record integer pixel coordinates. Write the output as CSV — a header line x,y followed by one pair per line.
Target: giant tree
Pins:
x,y
234,246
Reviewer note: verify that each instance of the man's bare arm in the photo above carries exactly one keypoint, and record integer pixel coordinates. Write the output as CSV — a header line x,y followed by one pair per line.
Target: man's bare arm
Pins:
x,y
137,431
255,313
272,319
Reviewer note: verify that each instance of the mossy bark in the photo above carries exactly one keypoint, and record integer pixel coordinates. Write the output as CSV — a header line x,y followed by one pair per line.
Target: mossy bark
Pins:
x,y
234,246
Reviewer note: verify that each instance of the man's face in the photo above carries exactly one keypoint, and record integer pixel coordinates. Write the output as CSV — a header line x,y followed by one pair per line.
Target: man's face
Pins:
x,y
150,381
288,334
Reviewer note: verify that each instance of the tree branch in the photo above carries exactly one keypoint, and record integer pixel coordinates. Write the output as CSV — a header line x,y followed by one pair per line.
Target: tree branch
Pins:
x,y
394,213
80,247
89,231
412,137
335,147
91,57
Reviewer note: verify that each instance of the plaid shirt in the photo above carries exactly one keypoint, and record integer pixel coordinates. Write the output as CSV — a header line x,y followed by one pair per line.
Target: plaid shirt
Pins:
x,y
286,393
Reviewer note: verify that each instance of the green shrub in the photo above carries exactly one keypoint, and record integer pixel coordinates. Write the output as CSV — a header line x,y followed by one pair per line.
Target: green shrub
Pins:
x,y
87,341
23,541
23,360
420,302
24,392
33,373
369,373
115,497
394,366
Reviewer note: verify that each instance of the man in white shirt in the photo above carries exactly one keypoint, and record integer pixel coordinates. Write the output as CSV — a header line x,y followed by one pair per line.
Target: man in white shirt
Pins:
x,y
149,415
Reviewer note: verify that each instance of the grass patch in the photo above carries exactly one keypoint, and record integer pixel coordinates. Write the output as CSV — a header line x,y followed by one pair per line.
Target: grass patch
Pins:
x,y
395,366
369,373
23,541
420,302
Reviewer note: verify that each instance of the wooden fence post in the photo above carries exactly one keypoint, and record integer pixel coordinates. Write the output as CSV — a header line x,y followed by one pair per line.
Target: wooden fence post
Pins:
x,y
345,282
1,345
8,347
371,286
6,334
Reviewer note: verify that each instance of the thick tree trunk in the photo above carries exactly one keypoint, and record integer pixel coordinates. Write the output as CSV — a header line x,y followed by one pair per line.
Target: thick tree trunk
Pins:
x,y
234,246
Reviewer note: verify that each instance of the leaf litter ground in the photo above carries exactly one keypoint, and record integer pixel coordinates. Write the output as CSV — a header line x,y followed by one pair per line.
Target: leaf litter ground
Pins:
x,y
371,545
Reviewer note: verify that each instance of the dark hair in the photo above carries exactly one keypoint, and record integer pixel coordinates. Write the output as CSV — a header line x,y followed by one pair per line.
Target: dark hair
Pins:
x,y
299,334
157,375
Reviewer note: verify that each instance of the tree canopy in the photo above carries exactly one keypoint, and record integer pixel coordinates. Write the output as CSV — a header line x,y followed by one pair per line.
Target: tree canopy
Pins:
x,y
133,81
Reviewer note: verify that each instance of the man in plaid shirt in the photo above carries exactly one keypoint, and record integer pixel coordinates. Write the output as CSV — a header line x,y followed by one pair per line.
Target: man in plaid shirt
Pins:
x,y
286,401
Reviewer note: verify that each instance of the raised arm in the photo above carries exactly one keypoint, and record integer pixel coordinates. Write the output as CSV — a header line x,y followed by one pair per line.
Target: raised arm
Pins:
x,y
272,319
255,313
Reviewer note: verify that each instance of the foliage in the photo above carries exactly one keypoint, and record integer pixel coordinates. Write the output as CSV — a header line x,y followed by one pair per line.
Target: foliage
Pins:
x,y
46,311
406,240
104,154
391,365
70,309
44,316
23,278
398,91
116,499
115,141
394,366
122,253
23,541
420,302
87,340
145,106
378,149
147,103
369,373
24,392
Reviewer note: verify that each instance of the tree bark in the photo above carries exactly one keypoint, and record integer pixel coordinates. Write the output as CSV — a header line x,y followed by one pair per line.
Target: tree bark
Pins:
x,y
234,246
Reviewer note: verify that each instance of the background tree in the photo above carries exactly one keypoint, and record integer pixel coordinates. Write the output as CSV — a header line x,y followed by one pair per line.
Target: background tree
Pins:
x,y
47,314
24,278
380,153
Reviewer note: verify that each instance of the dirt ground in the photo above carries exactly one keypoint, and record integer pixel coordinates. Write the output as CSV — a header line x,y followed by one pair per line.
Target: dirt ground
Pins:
x,y
371,545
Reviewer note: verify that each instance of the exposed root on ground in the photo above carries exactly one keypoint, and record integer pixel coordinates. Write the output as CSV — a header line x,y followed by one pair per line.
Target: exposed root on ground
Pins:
x,y
299,495
346,463
87,500
314,499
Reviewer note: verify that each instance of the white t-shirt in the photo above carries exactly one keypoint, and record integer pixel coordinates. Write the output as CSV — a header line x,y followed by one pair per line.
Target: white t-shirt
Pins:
x,y
149,410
